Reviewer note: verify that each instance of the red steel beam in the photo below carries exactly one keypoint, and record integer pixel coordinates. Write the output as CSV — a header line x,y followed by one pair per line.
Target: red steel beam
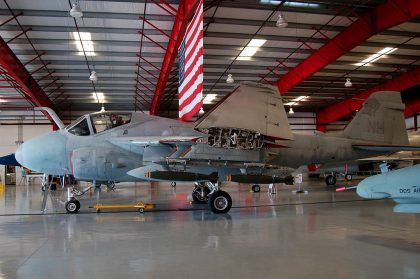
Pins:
x,y
18,72
412,108
346,107
381,18
184,13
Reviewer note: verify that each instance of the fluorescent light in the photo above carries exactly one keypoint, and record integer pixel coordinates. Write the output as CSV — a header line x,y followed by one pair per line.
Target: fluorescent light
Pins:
x,y
296,101
99,96
86,39
2,101
252,47
300,98
209,98
257,42
292,4
374,57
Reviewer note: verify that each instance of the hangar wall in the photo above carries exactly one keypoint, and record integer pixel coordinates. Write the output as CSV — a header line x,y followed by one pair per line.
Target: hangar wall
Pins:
x,y
412,122
10,134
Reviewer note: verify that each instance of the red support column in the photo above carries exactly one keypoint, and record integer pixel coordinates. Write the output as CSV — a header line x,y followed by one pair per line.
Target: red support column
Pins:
x,y
184,13
381,18
346,107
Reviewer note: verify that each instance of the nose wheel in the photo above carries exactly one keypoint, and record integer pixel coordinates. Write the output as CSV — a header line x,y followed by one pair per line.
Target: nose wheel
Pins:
x,y
72,206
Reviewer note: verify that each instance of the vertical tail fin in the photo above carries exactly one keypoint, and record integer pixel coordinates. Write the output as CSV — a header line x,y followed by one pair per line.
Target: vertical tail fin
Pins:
x,y
381,119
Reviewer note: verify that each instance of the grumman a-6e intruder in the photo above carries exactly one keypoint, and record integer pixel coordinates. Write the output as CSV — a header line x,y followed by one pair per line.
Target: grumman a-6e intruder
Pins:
x,y
245,138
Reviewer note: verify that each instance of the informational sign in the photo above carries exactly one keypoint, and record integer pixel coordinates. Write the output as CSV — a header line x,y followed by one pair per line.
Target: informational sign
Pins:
x,y
299,178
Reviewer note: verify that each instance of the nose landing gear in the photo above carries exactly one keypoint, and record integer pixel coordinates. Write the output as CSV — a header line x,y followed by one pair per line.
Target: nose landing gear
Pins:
x,y
72,206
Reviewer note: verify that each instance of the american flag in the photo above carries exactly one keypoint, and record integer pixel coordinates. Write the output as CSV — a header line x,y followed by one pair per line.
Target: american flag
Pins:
x,y
190,56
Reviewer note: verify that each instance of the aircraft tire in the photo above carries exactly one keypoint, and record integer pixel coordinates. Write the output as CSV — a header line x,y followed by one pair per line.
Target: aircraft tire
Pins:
x,y
220,202
196,195
256,188
72,206
330,180
348,177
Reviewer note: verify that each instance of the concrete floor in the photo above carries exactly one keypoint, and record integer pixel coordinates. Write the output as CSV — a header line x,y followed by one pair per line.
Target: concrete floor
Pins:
x,y
319,235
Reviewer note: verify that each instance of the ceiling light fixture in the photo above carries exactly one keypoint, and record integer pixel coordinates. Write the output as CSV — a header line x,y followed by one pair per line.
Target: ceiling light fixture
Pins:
x,y
374,57
251,48
102,108
348,83
93,76
281,21
201,111
230,79
291,110
76,11
209,98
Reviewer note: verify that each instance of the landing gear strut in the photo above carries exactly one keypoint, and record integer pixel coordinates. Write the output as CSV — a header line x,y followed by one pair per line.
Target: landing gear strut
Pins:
x,y
200,193
72,204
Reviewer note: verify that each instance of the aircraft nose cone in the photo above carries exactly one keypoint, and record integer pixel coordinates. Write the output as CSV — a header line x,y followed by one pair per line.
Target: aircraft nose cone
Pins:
x,y
363,189
372,187
46,154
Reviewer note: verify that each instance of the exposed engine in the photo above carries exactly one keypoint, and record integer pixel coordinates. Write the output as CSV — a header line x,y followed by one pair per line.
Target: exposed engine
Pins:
x,y
233,138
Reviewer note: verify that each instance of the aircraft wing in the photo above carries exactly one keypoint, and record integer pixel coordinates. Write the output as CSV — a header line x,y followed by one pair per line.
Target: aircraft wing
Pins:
x,y
386,148
253,107
155,140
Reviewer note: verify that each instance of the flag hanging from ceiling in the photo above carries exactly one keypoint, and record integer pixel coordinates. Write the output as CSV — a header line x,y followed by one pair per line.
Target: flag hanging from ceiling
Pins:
x,y
190,56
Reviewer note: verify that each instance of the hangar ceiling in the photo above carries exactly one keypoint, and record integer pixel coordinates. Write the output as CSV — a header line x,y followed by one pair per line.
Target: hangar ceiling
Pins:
x,y
125,43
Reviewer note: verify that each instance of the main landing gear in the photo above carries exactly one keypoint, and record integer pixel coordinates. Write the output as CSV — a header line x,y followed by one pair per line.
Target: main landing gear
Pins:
x,y
256,188
207,192
330,180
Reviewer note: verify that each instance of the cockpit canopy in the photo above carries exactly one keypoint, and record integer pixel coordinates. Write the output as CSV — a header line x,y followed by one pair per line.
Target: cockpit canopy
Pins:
x,y
98,122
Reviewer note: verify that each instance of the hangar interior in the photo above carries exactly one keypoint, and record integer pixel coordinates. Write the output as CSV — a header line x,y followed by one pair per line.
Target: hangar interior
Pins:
x,y
325,57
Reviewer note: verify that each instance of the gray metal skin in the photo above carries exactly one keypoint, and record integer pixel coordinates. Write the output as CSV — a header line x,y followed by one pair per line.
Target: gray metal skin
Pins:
x,y
104,158
402,185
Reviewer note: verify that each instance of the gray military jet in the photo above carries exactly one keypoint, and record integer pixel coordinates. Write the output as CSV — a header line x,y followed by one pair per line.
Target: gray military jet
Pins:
x,y
245,138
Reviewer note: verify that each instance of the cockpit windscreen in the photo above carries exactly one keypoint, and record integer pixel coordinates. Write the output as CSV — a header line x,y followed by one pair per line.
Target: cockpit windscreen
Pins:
x,y
108,120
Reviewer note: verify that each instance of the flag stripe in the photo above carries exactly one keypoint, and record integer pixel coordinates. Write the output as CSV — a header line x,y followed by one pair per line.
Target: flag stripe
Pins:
x,y
191,72
192,92
188,112
190,54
